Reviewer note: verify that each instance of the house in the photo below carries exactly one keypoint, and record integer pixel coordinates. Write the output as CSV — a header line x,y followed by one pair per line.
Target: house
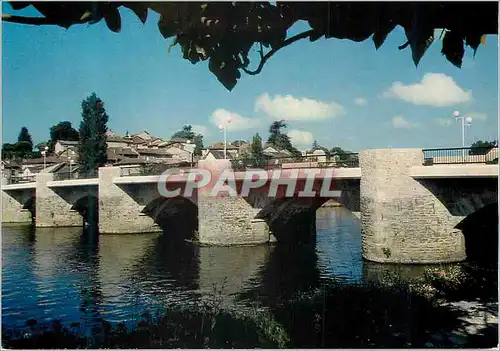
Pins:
x,y
70,153
62,145
175,142
239,143
181,152
10,169
118,141
218,155
115,154
219,146
33,166
154,154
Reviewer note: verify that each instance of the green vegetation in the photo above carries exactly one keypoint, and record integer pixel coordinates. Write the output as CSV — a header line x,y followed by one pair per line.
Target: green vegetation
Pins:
x,y
482,147
188,134
21,150
92,145
225,33
62,131
279,140
394,314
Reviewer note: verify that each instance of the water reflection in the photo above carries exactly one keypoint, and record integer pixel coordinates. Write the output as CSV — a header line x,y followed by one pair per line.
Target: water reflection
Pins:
x,y
77,275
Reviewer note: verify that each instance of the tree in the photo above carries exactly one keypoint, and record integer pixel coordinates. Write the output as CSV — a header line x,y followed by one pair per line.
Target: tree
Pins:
x,y
25,136
188,134
279,140
343,156
256,150
224,33
316,146
62,131
92,141
482,147
8,151
41,145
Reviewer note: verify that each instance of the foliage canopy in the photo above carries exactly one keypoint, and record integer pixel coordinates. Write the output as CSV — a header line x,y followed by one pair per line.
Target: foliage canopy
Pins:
x,y
188,134
92,147
224,32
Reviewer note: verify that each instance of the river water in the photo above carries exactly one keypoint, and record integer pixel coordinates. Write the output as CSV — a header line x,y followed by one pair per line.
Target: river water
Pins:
x,y
74,276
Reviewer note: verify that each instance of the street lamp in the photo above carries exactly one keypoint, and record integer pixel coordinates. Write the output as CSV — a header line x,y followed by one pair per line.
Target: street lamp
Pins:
x,y
224,127
70,165
466,121
44,153
189,142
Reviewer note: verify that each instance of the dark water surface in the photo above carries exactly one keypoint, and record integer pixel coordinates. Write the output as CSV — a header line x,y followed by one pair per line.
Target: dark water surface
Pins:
x,y
74,276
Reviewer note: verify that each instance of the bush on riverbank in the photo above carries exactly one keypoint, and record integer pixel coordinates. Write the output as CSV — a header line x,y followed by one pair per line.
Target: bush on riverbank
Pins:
x,y
363,316
464,282
182,328
394,314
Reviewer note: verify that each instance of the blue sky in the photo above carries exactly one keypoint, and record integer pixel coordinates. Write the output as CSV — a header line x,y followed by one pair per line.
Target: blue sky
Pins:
x,y
339,92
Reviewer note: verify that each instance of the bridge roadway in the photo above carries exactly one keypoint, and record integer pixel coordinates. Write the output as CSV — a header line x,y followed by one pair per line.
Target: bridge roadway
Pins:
x,y
409,213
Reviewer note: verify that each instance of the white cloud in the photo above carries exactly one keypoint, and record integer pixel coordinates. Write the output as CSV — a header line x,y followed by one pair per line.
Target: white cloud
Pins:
x,y
444,122
199,129
435,89
294,109
477,115
220,117
400,122
300,138
360,101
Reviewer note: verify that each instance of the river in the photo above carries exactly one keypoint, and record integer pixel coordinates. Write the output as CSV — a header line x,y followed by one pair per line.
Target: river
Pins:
x,y
71,275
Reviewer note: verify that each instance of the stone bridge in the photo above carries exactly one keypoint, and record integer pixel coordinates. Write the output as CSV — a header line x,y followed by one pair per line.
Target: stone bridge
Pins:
x,y
409,213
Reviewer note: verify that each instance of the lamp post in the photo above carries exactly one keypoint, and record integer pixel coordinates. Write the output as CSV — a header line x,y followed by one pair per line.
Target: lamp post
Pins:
x,y
189,142
466,121
224,127
44,153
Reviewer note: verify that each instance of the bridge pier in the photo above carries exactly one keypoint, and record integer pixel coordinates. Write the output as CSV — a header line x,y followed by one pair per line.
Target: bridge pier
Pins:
x,y
14,206
119,212
224,219
402,221
51,209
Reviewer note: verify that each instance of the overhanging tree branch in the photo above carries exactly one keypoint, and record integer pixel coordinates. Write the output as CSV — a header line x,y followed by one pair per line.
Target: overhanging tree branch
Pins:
x,y
264,58
37,21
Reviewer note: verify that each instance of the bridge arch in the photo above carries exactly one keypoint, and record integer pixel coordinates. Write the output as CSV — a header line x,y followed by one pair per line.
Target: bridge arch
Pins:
x,y
88,207
176,216
30,205
480,231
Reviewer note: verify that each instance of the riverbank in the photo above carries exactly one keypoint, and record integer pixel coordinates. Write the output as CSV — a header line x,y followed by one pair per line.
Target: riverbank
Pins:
x,y
400,315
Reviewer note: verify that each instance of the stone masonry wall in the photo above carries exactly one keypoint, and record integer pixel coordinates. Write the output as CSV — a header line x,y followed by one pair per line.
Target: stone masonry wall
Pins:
x,y
51,209
401,220
119,212
13,203
226,220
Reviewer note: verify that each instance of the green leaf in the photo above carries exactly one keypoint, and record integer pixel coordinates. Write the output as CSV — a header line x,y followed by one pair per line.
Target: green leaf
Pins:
x,y
453,48
226,72
420,39
140,10
113,19
473,40
381,33
166,27
19,5
316,35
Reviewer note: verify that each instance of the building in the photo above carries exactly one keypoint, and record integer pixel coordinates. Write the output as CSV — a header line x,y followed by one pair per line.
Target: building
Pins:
x,y
219,146
218,155
33,166
63,145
